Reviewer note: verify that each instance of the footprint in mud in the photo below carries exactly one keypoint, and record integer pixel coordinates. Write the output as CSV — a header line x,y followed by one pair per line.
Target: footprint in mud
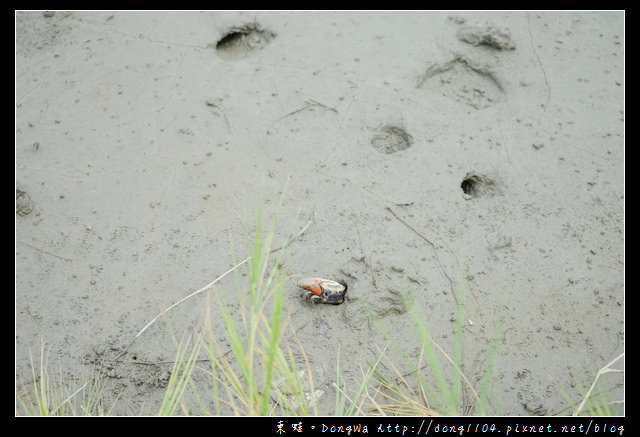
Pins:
x,y
464,81
487,35
378,281
239,42
391,139
322,325
24,204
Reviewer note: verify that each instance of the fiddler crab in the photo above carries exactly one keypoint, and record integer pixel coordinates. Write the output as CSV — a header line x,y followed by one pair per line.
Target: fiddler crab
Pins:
x,y
320,290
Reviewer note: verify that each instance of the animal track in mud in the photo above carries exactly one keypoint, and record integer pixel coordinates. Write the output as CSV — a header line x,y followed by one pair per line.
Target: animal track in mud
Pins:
x,y
391,139
478,185
24,204
464,81
487,35
239,42
375,281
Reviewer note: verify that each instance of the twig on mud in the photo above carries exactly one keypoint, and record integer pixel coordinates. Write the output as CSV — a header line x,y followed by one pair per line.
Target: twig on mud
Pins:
x,y
444,272
602,371
53,411
367,260
146,363
308,104
401,377
209,285
328,108
45,252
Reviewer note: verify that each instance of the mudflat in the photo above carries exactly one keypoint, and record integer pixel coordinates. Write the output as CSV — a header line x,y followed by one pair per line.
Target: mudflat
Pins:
x,y
463,155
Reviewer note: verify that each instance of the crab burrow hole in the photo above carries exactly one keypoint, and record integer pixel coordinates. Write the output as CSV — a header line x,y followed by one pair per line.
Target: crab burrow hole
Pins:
x,y
240,41
476,185
391,139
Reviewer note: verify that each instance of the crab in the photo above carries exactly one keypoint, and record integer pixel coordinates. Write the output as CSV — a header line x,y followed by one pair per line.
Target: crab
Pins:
x,y
320,290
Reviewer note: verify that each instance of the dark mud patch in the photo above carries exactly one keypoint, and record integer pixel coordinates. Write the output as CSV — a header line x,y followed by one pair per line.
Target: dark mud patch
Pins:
x,y
391,139
241,41
128,377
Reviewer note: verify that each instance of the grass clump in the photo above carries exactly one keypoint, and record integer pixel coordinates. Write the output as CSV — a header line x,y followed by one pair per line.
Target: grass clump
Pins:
x,y
180,379
253,370
447,389
595,394
346,405
45,395
258,376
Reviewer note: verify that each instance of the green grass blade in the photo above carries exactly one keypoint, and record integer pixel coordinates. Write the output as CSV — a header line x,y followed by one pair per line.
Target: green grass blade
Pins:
x,y
180,378
448,403
273,342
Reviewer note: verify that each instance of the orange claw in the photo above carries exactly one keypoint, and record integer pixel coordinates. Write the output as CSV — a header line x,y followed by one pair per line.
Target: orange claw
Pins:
x,y
312,284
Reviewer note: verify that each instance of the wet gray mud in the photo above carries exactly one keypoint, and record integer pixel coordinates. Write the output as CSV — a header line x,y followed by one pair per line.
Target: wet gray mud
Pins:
x,y
439,154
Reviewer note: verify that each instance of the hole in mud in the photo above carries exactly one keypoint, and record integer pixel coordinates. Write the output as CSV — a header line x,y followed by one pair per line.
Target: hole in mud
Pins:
x,y
239,42
229,40
391,139
476,185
